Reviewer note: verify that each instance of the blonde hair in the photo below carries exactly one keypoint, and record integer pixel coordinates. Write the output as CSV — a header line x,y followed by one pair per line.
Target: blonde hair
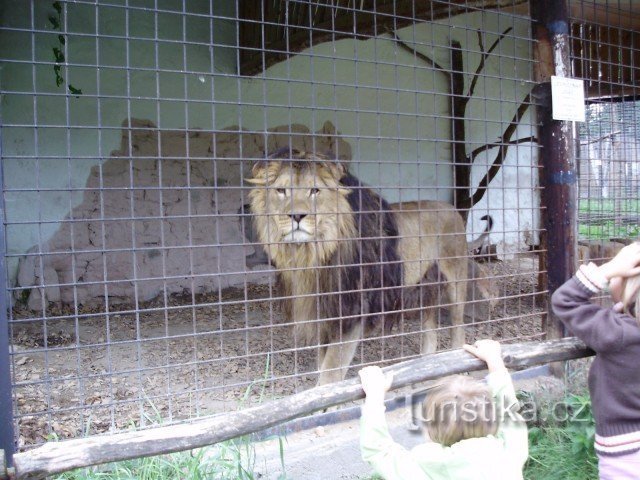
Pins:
x,y
631,296
459,408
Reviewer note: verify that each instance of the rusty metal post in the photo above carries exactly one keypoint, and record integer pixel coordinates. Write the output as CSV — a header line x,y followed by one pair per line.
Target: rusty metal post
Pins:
x,y
558,174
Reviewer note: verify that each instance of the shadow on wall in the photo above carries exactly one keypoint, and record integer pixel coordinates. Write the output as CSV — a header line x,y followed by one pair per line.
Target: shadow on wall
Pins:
x,y
161,213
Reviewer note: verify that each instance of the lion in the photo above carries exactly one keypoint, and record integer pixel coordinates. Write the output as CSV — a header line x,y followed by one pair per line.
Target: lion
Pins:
x,y
348,261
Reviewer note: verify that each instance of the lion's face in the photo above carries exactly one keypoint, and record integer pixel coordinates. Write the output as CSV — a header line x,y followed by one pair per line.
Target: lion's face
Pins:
x,y
300,201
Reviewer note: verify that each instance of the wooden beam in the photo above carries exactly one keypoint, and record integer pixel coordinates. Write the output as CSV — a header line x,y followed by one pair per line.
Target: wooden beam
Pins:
x,y
57,457
336,22
557,156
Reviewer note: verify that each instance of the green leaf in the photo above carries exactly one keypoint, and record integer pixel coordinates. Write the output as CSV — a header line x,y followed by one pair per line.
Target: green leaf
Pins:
x,y
535,435
58,6
59,56
55,23
74,90
61,39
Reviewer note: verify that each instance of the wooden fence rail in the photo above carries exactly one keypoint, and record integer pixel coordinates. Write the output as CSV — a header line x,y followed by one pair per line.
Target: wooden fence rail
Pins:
x,y
58,457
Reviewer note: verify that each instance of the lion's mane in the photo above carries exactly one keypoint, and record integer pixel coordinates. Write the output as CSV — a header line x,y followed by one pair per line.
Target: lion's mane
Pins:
x,y
351,270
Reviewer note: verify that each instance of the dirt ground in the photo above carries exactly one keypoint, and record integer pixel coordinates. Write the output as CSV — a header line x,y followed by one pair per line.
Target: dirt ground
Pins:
x,y
86,372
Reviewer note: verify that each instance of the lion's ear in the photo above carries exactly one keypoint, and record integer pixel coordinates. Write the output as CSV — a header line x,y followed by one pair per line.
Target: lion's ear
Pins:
x,y
258,166
259,173
255,181
337,169
264,172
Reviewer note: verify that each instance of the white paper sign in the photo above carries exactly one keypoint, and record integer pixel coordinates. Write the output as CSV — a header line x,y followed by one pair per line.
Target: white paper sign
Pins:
x,y
567,96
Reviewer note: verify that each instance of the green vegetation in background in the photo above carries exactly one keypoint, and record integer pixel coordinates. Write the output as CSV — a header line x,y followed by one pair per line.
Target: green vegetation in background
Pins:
x,y
607,231
58,51
229,460
563,450
595,229
608,205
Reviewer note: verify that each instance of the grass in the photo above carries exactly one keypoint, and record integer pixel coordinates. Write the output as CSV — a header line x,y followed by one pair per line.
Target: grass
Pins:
x,y
597,229
230,460
607,230
563,450
551,457
607,205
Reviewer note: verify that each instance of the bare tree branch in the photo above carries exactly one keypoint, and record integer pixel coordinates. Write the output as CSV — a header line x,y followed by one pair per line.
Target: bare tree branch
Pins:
x,y
483,58
503,143
599,139
418,54
462,162
498,143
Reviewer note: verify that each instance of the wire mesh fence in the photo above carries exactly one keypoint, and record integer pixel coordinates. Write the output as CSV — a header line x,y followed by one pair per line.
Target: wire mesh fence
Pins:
x,y
166,162
604,53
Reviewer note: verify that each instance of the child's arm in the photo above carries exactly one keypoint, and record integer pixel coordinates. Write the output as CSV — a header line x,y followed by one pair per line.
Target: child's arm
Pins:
x,y
602,329
378,449
513,428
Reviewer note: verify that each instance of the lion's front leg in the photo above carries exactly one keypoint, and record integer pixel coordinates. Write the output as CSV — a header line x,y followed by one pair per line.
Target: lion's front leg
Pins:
x,y
338,355
458,336
429,332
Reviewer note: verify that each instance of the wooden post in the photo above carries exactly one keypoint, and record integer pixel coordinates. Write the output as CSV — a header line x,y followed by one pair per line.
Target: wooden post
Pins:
x,y
558,174
58,457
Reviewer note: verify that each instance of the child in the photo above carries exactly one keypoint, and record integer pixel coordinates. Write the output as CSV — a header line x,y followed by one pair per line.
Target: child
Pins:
x,y
614,334
474,430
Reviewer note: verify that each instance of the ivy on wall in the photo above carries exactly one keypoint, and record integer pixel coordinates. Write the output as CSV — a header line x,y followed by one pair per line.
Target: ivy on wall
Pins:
x,y
58,51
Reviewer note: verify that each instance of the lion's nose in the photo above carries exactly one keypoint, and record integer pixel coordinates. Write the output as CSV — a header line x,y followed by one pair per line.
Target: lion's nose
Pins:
x,y
298,216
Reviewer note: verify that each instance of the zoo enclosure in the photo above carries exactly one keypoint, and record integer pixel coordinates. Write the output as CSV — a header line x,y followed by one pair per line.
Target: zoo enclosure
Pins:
x,y
128,131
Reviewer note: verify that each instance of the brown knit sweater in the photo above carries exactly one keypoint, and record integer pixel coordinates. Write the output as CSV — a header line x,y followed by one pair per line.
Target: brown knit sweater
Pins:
x,y
614,377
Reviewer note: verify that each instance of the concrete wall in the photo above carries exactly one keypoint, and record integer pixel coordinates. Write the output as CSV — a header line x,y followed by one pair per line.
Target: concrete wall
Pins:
x,y
389,106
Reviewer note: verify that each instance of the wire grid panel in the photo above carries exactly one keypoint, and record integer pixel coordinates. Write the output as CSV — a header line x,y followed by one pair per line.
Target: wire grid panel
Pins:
x,y
136,137
605,54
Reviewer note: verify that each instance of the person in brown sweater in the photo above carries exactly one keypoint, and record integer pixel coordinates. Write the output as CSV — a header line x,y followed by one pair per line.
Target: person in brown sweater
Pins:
x,y
614,334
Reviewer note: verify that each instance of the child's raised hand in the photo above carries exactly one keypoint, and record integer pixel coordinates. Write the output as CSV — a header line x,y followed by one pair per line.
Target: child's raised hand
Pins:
x,y
375,383
488,350
625,264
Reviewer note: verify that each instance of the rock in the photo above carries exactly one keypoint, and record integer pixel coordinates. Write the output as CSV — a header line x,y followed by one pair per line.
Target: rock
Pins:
x,y
177,225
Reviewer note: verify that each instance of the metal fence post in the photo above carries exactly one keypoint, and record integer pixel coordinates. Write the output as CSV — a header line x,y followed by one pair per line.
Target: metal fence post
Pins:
x,y
7,438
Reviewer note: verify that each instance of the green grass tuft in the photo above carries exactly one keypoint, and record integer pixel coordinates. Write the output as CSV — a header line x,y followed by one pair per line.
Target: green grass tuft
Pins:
x,y
564,450
229,460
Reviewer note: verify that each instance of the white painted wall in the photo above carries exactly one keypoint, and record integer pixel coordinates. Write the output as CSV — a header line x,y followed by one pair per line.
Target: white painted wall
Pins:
x,y
391,107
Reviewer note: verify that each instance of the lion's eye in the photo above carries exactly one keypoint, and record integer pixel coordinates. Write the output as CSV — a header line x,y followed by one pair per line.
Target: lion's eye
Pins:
x,y
314,191
281,191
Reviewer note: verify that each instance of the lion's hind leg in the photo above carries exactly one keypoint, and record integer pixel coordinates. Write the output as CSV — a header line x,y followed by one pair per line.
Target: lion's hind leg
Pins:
x,y
424,298
435,284
455,269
